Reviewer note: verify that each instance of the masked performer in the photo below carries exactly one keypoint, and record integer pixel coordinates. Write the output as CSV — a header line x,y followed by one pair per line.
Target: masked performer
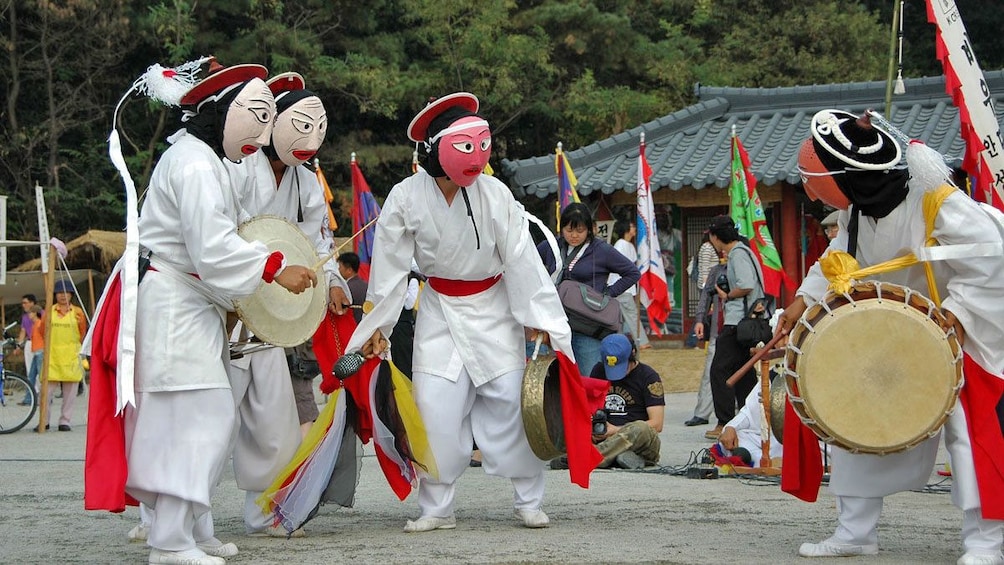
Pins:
x,y
485,283
271,407
849,163
176,436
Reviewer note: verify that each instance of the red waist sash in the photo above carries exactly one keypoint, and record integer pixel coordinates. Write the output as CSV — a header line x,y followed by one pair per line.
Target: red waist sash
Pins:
x,y
451,287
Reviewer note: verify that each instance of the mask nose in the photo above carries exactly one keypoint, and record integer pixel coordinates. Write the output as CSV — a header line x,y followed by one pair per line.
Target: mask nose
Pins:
x,y
265,137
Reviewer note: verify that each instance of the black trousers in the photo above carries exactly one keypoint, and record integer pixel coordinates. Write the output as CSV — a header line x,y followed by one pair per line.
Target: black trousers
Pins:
x,y
729,358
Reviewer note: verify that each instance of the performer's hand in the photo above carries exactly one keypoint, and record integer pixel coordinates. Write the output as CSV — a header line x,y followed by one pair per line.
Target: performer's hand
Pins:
x,y
729,438
337,301
296,278
950,322
545,337
376,345
790,316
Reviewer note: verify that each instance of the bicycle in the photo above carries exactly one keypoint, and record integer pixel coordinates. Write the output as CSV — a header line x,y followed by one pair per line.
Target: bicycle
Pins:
x,y
18,400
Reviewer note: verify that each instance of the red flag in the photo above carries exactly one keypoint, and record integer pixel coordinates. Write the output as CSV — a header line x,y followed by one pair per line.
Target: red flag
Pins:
x,y
655,289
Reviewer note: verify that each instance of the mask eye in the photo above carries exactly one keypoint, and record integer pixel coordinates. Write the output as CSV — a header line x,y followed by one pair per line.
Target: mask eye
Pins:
x,y
263,115
323,126
302,126
486,143
464,146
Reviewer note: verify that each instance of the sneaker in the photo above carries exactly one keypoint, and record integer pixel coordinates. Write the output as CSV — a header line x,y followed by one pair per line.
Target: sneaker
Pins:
x,y
831,548
429,523
976,557
277,532
217,548
187,557
559,463
139,532
630,460
532,518
714,433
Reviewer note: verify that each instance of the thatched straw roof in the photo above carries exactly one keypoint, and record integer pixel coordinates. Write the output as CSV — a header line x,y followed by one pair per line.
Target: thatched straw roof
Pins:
x,y
96,249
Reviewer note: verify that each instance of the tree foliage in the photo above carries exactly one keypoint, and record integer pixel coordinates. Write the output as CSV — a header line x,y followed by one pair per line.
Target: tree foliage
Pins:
x,y
546,71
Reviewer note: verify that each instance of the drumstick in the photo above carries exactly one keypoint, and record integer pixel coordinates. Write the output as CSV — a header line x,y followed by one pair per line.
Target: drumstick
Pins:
x,y
537,343
756,357
344,243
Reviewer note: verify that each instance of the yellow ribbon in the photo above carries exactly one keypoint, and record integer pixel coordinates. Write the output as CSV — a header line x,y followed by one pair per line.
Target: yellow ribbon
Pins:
x,y
841,269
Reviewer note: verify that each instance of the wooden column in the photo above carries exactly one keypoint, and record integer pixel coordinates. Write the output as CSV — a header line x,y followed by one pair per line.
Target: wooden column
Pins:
x,y
791,242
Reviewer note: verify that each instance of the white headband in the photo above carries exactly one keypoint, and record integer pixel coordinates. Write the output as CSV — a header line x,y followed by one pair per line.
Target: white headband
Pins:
x,y
454,129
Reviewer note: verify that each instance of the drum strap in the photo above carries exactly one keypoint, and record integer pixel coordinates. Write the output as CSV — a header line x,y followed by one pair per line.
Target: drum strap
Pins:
x,y
192,281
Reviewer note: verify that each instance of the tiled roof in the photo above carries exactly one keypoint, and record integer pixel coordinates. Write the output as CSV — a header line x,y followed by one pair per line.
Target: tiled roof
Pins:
x,y
691,147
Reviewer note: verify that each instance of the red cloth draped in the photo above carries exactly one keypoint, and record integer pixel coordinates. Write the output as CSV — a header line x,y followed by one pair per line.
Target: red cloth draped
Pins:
x,y
577,409
979,398
802,467
329,344
105,464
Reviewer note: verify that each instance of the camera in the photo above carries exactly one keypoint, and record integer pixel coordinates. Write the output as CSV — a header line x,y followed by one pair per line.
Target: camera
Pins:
x,y
723,282
599,423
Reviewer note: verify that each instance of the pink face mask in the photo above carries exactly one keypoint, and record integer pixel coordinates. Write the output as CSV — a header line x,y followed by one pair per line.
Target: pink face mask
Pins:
x,y
299,131
464,148
249,121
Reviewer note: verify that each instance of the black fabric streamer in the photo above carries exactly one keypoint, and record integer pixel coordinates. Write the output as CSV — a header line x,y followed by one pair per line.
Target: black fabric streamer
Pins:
x,y
207,124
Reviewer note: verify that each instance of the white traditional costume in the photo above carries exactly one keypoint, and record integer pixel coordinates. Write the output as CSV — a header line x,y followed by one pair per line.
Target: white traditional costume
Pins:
x,y
972,288
485,284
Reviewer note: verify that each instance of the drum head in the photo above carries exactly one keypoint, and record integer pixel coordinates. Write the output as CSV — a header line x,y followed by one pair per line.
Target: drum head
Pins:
x,y
274,314
874,375
541,407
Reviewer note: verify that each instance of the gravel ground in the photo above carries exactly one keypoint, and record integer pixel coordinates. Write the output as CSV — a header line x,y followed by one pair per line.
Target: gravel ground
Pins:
x,y
624,517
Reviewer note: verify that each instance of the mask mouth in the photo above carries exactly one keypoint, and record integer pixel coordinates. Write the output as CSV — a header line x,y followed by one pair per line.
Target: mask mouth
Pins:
x,y
472,171
249,149
303,155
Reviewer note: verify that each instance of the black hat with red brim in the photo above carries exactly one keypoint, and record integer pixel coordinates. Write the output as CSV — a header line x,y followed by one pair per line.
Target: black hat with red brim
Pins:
x,y
219,78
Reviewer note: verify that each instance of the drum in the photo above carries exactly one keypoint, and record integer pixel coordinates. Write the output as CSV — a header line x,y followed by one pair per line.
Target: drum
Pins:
x,y
872,371
274,314
541,407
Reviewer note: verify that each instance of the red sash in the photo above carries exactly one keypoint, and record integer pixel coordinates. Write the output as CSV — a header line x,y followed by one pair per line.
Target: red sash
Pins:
x,y
451,287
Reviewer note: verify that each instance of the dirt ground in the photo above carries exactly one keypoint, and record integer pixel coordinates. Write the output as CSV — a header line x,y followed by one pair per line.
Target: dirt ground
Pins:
x,y
680,368
651,516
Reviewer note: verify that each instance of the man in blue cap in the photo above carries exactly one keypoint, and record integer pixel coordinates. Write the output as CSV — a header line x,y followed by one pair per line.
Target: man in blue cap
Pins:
x,y
634,409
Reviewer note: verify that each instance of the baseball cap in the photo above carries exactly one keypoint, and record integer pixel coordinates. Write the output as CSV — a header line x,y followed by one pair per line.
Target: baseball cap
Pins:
x,y
615,349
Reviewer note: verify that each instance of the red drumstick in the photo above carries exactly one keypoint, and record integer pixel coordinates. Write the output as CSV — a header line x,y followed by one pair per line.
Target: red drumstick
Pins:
x,y
756,357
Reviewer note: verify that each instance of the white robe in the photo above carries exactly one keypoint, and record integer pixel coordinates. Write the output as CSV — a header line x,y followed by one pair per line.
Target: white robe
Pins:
x,y
482,332
177,435
971,288
747,425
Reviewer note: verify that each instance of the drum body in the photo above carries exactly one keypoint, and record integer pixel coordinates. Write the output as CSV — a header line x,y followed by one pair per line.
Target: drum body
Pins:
x,y
872,371
541,407
274,314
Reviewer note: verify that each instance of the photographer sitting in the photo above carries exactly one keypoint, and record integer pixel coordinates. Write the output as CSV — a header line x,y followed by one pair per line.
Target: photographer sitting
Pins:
x,y
635,407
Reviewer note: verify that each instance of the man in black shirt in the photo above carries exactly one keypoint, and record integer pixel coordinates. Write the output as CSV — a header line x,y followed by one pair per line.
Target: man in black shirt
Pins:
x,y
635,406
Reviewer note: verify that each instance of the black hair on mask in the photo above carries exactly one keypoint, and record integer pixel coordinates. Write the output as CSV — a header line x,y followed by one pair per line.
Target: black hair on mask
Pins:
x,y
208,124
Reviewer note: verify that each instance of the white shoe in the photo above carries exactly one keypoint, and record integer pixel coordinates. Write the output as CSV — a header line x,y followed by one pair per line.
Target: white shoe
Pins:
x,y
139,532
976,557
217,548
832,548
187,557
429,523
277,532
532,518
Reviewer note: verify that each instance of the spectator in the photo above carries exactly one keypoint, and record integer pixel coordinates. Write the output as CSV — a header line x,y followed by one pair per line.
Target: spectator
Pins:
x,y
829,225
709,320
348,267
635,406
590,261
707,258
745,288
744,431
625,232
24,342
69,326
34,362
670,242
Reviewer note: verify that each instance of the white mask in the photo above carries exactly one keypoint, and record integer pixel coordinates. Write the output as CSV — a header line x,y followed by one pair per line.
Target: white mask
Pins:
x,y
299,131
249,122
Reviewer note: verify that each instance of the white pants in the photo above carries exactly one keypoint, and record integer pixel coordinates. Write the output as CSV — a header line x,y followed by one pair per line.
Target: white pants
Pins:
x,y
177,524
456,414
858,516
